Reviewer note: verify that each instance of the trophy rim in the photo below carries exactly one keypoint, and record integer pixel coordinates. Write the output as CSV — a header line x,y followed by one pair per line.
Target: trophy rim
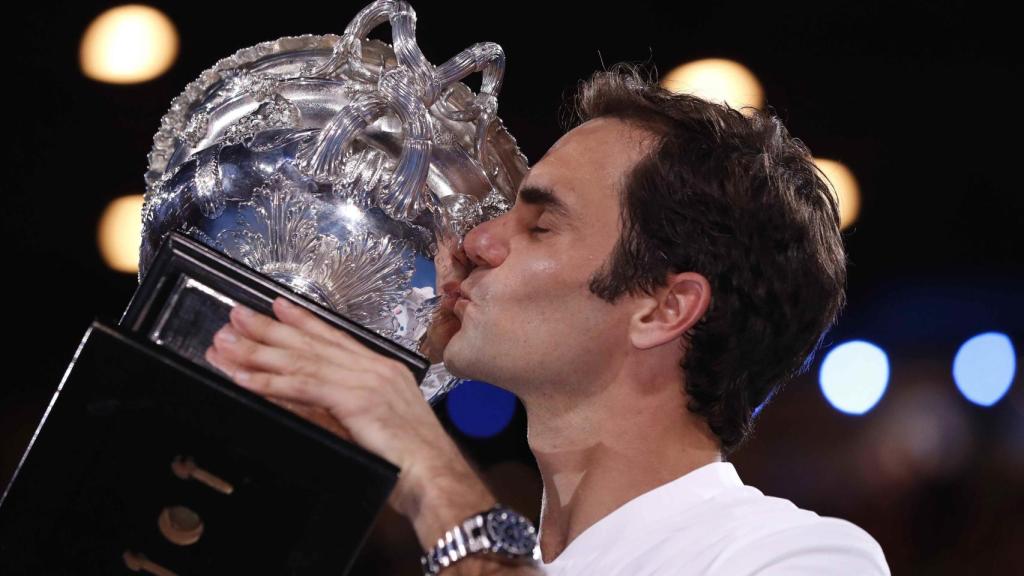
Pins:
x,y
170,136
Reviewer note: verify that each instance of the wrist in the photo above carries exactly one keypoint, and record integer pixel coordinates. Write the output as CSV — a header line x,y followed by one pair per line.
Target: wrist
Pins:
x,y
444,498
450,500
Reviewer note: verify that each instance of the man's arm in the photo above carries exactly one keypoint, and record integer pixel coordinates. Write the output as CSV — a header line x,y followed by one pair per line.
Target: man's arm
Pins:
x,y
300,361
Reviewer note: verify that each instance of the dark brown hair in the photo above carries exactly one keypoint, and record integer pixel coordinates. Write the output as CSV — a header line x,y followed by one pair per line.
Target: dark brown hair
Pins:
x,y
736,199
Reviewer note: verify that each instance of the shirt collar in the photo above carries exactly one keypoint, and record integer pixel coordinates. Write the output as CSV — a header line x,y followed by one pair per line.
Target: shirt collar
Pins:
x,y
640,513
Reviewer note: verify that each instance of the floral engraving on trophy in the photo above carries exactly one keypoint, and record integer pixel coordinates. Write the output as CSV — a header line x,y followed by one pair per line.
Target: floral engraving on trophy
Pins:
x,y
278,112
365,277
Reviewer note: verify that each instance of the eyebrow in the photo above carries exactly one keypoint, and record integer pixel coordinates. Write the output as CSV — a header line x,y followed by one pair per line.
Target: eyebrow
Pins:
x,y
545,198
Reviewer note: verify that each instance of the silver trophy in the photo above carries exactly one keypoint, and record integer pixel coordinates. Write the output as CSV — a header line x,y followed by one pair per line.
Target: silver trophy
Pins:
x,y
337,166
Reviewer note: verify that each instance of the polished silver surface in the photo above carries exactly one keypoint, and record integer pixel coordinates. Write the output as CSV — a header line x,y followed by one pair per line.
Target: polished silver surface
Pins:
x,y
335,164
190,317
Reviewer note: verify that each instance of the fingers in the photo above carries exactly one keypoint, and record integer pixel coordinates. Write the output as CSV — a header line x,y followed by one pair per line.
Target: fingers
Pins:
x,y
221,363
299,330
247,354
315,414
303,359
304,320
326,339
303,370
341,401
258,342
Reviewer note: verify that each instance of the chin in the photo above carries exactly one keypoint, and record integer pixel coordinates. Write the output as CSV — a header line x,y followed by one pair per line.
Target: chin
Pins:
x,y
463,359
453,357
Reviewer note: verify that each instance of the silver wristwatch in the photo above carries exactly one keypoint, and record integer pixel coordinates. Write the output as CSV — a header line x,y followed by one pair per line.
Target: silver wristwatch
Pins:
x,y
499,531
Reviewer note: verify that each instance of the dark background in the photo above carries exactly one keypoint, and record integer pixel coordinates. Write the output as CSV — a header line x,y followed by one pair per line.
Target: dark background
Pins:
x,y
914,97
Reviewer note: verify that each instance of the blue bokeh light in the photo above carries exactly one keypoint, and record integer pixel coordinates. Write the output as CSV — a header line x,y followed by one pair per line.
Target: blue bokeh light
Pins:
x,y
479,409
854,376
984,367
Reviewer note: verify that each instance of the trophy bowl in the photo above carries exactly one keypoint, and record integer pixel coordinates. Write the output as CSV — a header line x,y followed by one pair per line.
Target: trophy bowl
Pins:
x,y
336,166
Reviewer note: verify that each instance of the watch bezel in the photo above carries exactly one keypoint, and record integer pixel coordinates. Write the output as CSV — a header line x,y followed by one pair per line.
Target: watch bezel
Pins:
x,y
512,535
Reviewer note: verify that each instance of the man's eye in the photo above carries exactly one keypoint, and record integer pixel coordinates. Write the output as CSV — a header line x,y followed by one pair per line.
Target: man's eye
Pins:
x,y
538,230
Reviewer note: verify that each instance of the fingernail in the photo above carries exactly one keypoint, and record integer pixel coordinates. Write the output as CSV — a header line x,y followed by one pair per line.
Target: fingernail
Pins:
x,y
227,335
245,312
285,303
242,375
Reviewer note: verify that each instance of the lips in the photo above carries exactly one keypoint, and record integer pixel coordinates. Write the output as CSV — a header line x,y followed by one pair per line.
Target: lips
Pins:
x,y
460,306
451,294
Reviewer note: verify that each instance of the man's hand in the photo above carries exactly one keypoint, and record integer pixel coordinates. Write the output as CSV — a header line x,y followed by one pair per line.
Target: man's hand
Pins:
x,y
329,377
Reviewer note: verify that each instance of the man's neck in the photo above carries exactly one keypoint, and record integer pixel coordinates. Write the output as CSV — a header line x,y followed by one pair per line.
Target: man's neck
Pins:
x,y
596,454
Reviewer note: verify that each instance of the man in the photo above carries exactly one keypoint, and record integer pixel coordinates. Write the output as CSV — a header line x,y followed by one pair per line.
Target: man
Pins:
x,y
667,265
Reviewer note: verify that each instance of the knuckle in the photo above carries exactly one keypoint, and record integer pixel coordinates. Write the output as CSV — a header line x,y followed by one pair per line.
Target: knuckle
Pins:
x,y
307,341
360,401
303,386
259,382
297,364
394,370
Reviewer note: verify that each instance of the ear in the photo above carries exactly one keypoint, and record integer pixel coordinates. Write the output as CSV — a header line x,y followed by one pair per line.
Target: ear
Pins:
x,y
671,311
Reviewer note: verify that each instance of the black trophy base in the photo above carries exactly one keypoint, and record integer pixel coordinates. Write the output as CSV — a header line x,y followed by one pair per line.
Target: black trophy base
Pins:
x,y
146,462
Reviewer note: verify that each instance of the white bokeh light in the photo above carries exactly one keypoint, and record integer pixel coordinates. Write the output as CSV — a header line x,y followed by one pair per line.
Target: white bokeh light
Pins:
x,y
984,367
854,376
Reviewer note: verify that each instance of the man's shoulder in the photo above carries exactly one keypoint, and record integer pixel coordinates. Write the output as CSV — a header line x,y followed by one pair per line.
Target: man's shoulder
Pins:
x,y
768,534
735,531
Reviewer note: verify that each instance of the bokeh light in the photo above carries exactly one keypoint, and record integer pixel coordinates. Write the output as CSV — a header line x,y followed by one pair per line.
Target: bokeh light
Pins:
x,y
854,376
984,367
479,409
846,188
128,44
718,80
119,233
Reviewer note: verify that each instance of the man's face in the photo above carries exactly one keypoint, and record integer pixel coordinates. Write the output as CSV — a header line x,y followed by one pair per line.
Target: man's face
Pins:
x,y
531,318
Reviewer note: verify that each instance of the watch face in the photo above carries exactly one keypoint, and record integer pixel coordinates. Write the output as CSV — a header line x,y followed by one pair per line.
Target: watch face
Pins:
x,y
512,533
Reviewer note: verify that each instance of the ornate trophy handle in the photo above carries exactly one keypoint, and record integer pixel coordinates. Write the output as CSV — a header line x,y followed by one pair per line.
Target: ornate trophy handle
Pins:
x,y
409,90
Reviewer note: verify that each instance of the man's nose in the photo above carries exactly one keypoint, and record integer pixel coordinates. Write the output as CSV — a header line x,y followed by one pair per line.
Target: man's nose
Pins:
x,y
485,244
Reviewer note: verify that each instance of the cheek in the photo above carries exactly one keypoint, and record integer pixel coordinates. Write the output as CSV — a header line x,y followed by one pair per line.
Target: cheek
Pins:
x,y
545,279
546,302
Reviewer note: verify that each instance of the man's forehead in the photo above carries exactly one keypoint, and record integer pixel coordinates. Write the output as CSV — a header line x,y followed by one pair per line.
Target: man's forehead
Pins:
x,y
589,157
602,135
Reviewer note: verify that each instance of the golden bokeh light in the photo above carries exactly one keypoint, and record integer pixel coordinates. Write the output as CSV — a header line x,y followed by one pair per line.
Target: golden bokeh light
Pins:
x,y
718,80
119,233
846,188
128,44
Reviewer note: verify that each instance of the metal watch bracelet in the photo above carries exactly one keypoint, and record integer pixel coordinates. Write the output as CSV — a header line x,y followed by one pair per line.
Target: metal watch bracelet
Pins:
x,y
469,537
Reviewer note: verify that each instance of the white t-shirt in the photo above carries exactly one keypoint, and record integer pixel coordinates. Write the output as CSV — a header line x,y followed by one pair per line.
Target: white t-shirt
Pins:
x,y
709,522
